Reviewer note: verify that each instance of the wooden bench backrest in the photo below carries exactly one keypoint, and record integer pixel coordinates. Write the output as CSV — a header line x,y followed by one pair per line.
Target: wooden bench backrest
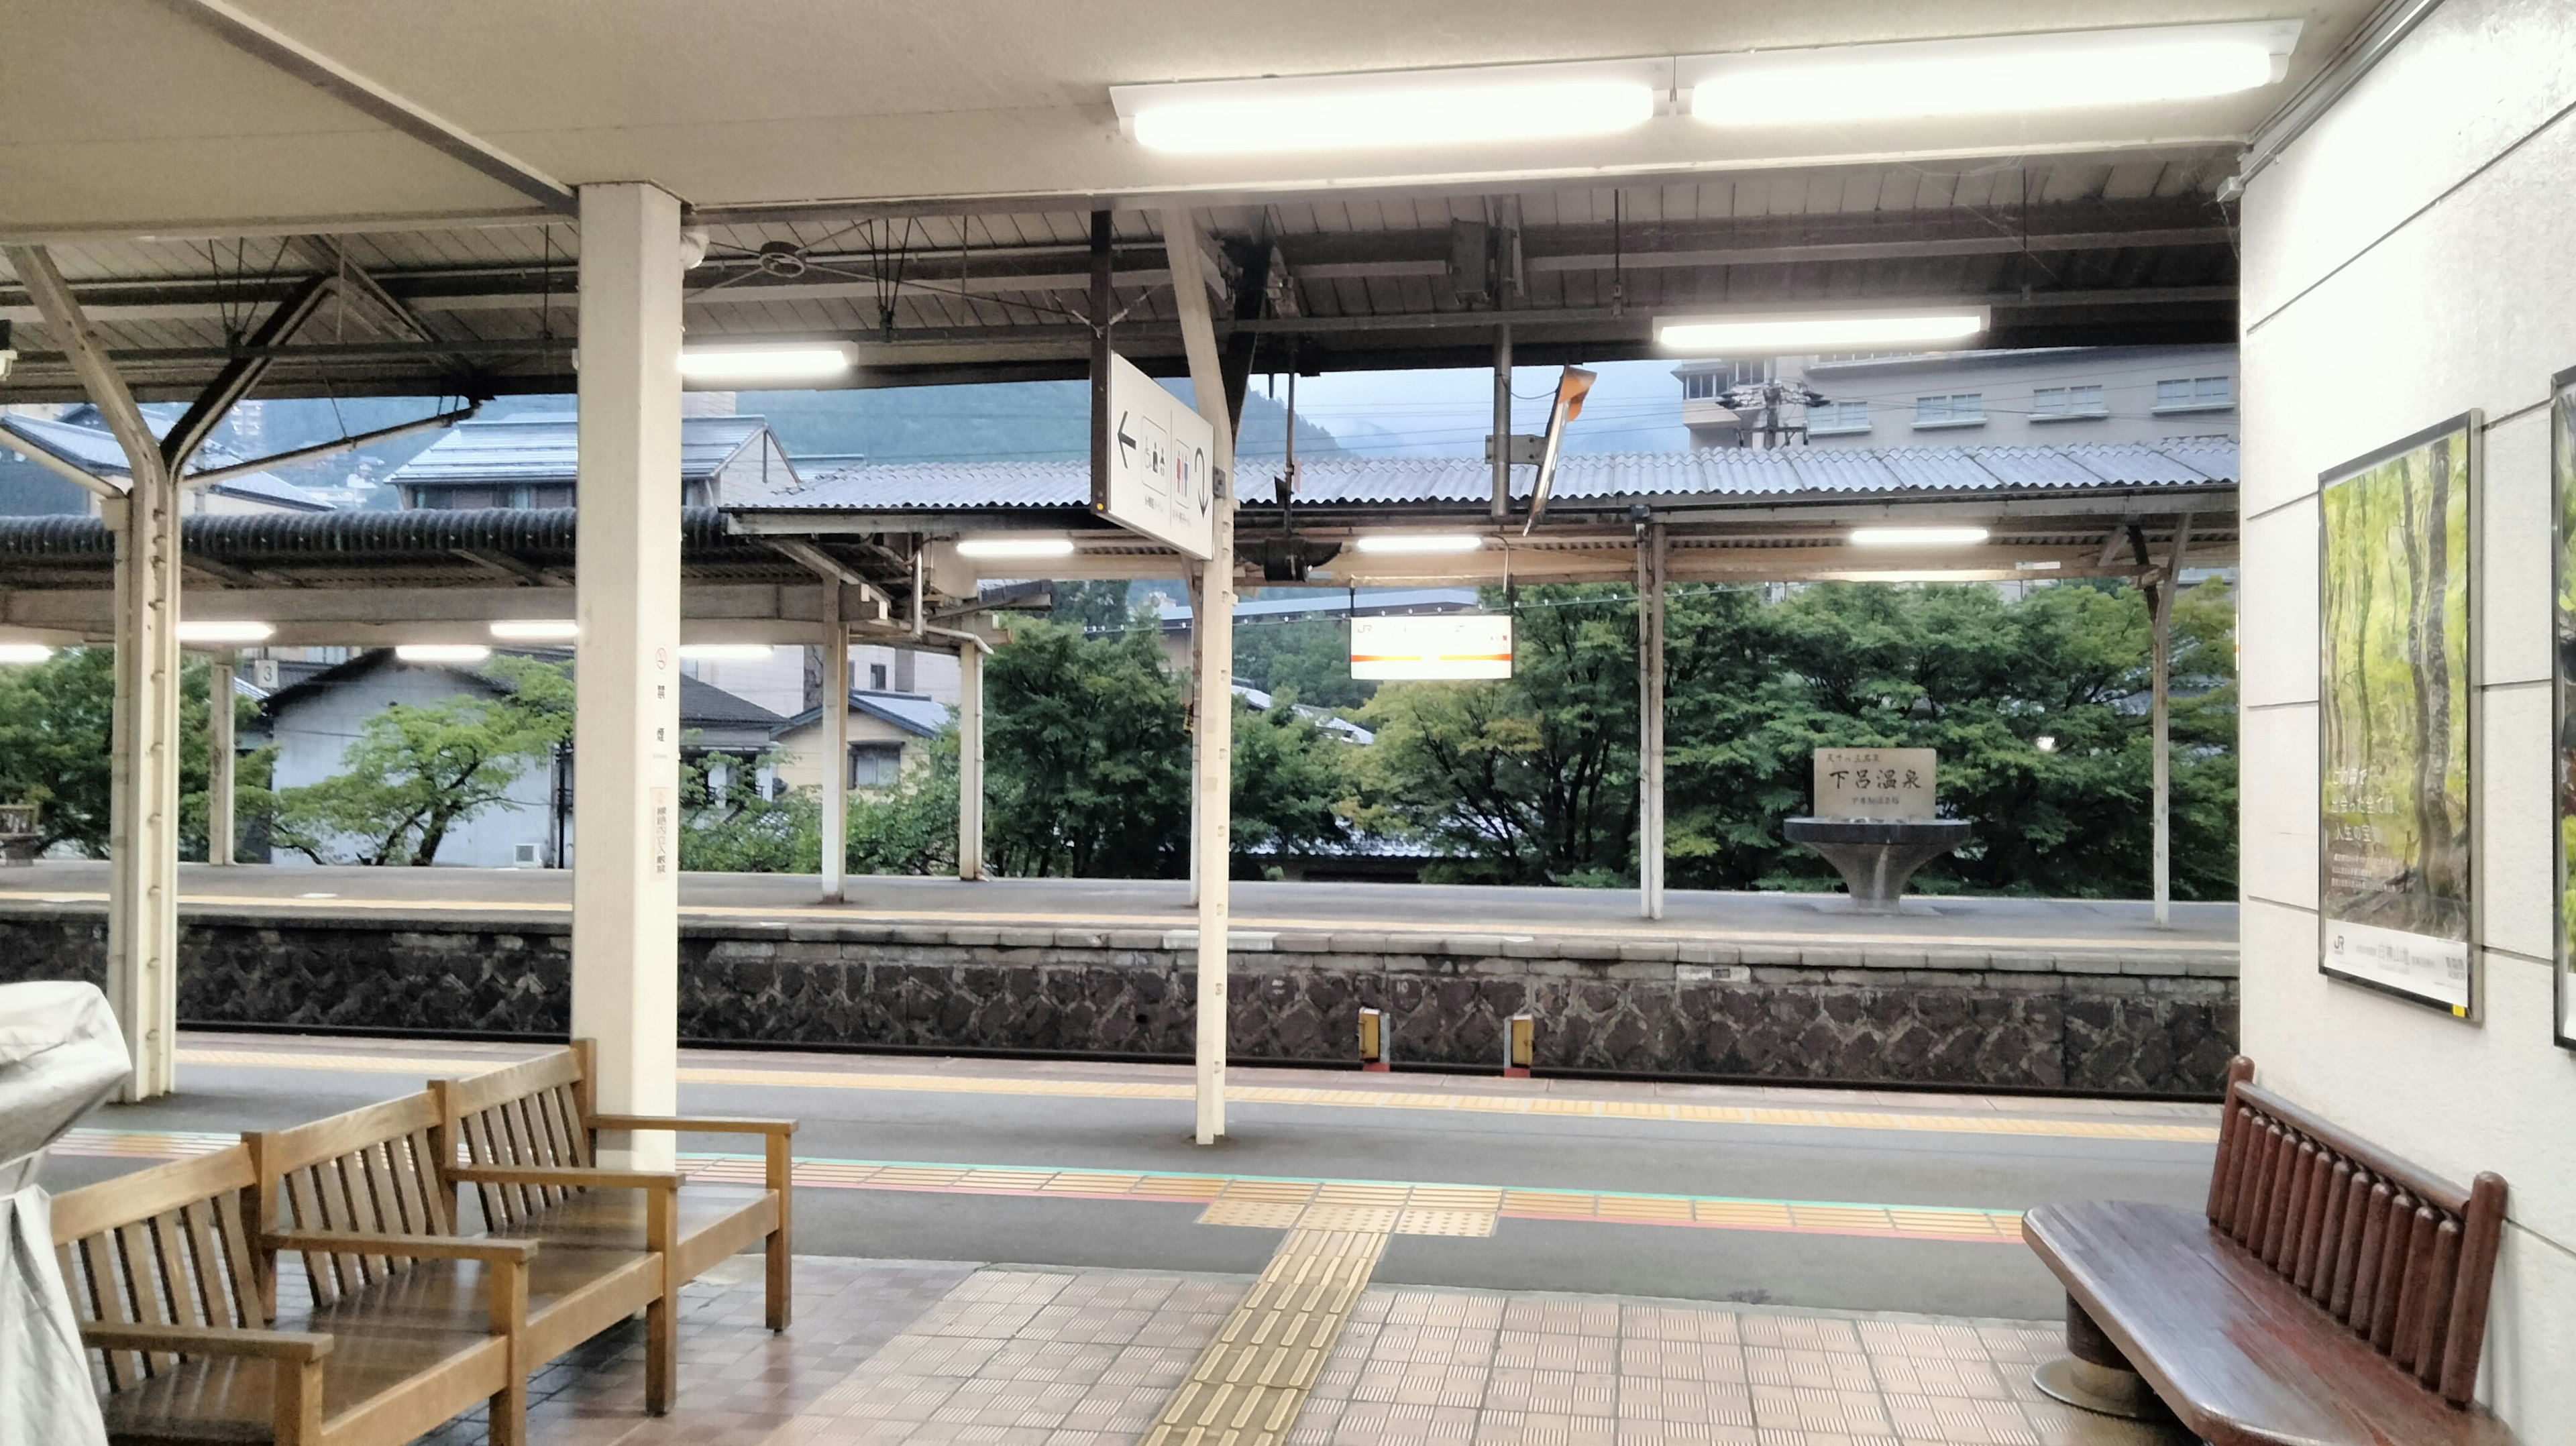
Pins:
x,y
163,1246
374,1170
2397,1253
533,1113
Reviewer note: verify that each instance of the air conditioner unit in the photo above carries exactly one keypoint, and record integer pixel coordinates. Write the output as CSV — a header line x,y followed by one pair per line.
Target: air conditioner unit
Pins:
x,y
524,856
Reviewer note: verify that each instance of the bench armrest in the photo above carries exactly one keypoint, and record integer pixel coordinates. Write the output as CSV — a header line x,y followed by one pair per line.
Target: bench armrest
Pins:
x,y
566,1177
699,1123
206,1340
416,1247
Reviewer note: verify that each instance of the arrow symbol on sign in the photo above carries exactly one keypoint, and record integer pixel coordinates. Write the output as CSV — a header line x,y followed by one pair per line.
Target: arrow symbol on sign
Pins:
x,y
1126,443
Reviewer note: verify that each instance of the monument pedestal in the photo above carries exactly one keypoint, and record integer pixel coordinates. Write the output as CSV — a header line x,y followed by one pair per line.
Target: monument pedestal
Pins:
x,y
1876,856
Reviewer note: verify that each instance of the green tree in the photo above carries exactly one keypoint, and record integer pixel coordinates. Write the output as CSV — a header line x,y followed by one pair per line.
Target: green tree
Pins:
x,y
54,746
1292,781
1310,657
910,828
728,827
1087,768
413,773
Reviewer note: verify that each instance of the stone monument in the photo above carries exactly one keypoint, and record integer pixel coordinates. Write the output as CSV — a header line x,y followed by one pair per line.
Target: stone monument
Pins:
x,y
1874,820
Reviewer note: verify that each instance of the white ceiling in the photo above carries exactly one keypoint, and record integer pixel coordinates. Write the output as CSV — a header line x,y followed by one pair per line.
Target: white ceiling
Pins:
x,y
122,118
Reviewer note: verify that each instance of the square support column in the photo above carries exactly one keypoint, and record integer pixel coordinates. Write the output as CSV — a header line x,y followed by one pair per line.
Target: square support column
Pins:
x,y
835,720
1650,722
970,763
626,719
220,761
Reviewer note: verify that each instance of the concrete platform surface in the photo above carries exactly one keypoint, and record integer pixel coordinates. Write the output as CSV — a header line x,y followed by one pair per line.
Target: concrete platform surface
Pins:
x,y
2039,925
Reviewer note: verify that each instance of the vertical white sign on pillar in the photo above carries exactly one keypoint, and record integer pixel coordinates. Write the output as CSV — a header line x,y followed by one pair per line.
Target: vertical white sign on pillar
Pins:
x,y
626,719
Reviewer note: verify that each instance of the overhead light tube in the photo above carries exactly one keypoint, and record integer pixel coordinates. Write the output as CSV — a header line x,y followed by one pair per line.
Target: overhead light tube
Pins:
x,y
804,361
442,652
1777,333
1015,547
2063,70
1918,536
536,630
1482,105
1402,543
24,653
211,630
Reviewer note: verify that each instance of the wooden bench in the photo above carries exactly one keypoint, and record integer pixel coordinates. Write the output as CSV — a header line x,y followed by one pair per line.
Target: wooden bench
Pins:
x,y
359,1193
2330,1293
528,1133
167,1279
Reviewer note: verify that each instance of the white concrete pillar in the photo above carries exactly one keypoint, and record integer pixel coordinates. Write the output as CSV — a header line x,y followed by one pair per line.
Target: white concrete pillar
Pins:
x,y
1650,722
626,722
835,724
1212,646
220,760
2160,601
970,763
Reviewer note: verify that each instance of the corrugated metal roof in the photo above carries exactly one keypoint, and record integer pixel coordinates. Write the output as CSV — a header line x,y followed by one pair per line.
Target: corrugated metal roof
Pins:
x,y
545,447
1396,481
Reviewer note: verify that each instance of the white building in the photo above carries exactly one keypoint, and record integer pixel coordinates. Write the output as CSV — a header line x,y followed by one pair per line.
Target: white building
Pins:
x,y
2037,397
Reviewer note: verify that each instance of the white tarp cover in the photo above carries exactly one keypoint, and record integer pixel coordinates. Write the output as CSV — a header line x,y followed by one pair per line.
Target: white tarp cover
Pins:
x,y
60,1053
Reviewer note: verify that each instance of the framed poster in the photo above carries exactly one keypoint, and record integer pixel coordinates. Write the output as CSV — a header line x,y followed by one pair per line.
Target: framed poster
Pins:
x,y
2562,494
2396,531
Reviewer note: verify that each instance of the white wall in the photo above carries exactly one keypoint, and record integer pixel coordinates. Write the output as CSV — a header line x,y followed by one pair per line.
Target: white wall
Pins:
x,y
313,731
2407,260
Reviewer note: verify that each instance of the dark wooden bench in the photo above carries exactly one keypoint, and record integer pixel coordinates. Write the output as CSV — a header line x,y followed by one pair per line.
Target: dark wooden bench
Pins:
x,y
528,1132
363,1195
168,1282
2329,1294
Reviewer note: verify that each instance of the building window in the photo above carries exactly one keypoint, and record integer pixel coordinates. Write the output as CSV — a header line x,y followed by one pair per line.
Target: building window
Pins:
x,y
877,676
550,495
2053,404
1828,419
1958,409
1698,387
2195,394
875,765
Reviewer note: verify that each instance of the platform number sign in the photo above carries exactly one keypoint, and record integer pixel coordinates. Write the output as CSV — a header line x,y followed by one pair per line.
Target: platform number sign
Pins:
x,y
1162,469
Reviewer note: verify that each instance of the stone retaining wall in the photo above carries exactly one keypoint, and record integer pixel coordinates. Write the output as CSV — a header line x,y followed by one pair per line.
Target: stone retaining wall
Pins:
x,y
2089,1020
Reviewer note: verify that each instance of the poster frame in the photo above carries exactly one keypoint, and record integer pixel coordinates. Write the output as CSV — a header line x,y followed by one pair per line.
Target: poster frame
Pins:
x,y
2471,425
2561,415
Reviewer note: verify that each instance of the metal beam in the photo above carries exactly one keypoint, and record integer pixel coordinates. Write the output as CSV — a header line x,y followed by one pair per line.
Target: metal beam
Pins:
x,y
326,449
257,38
59,466
242,373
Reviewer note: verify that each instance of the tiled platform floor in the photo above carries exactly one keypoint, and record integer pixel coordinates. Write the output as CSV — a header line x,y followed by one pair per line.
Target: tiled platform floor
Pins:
x,y
914,1352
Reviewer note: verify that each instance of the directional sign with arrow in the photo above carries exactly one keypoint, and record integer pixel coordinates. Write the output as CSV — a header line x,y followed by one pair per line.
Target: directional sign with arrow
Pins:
x,y
1160,484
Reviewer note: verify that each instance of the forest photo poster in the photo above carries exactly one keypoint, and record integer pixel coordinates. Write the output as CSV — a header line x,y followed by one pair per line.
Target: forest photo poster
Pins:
x,y
2562,499
2394,650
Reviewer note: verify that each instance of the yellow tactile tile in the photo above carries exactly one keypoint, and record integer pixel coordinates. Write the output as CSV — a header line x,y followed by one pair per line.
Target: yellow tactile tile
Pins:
x,y
1420,1220
1742,1214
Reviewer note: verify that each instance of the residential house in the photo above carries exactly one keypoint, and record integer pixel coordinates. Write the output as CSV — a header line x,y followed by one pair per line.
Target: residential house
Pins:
x,y
313,721
889,733
530,460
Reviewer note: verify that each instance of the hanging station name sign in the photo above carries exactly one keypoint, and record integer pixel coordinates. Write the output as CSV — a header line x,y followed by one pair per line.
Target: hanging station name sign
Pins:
x,y
1453,645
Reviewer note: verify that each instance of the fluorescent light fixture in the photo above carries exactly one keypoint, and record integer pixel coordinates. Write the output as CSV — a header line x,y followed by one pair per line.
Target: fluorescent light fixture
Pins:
x,y
24,652
209,630
1778,333
1016,547
1484,105
1401,543
1917,536
2064,70
442,652
801,361
536,630
723,652
2045,743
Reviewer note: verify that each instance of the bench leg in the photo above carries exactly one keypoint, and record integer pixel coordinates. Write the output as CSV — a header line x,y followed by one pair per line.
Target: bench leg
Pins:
x,y
661,1354
509,1412
2093,1375
779,1287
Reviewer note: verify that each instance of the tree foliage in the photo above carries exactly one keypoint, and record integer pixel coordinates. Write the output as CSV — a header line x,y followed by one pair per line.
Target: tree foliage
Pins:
x,y
415,772
1086,766
54,732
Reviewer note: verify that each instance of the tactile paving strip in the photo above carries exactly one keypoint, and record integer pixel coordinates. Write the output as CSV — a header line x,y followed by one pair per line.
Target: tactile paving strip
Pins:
x,y
1253,1379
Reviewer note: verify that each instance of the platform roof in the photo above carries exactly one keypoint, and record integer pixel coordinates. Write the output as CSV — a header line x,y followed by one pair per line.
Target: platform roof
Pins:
x,y
922,178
